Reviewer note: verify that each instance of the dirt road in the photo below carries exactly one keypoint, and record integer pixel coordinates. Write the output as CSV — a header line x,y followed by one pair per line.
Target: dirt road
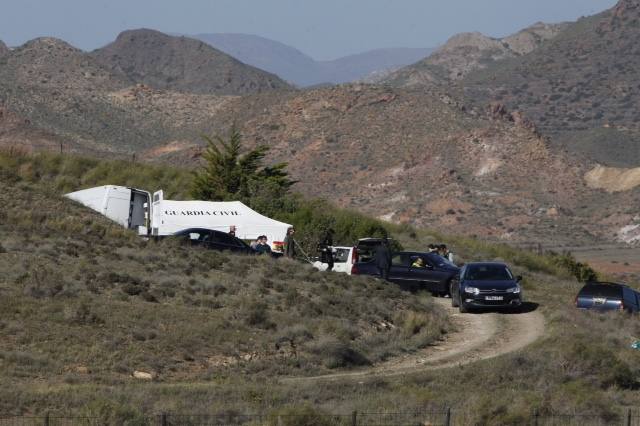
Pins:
x,y
478,336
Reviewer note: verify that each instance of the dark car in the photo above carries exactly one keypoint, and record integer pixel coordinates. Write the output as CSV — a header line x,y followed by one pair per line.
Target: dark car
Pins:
x,y
486,284
216,240
606,296
414,271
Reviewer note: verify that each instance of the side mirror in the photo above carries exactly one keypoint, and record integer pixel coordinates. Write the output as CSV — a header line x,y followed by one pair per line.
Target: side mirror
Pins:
x,y
519,278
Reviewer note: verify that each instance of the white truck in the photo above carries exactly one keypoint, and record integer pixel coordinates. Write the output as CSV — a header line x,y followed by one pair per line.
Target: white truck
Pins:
x,y
154,216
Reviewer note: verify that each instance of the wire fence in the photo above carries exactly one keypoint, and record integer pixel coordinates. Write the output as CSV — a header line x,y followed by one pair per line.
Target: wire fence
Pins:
x,y
446,417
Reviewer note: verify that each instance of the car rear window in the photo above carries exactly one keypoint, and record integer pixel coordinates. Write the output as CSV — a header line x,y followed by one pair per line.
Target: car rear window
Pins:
x,y
488,273
341,255
608,291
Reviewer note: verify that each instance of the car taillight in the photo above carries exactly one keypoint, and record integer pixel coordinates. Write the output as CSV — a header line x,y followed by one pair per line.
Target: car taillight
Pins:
x,y
621,306
354,270
354,258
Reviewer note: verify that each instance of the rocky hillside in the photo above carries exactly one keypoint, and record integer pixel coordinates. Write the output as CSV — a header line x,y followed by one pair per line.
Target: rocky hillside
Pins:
x,y
301,69
3,48
467,52
49,63
182,64
425,159
581,88
412,154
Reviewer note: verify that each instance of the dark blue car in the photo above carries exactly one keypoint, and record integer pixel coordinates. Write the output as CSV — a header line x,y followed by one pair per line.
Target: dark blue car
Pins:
x,y
414,271
485,285
604,296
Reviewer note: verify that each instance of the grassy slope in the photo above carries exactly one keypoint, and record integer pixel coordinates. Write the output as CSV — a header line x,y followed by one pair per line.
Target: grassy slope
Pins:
x,y
86,303
96,320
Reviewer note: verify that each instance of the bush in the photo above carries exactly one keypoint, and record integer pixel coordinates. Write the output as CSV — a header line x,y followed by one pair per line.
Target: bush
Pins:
x,y
337,354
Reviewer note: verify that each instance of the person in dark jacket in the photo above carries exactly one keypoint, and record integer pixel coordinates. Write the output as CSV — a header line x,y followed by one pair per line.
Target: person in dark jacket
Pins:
x,y
290,244
326,249
383,259
262,246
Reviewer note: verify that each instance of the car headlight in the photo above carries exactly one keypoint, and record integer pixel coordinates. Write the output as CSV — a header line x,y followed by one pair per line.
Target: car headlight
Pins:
x,y
515,289
472,290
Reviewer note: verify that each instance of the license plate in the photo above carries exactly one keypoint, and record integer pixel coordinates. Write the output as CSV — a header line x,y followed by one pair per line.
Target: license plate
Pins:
x,y
493,297
599,300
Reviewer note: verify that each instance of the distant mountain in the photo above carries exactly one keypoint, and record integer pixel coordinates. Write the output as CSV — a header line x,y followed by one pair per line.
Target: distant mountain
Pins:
x,y
467,52
182,64
285,61
581,88
302,70
377,61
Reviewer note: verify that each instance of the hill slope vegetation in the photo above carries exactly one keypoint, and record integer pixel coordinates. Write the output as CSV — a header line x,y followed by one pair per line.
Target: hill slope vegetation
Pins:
x,y
86,305
580,87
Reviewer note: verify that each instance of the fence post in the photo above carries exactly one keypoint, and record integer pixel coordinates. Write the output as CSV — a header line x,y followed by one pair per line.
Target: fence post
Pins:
x,y
46,419
447,416
354,418
279,420
628,416
163,419
535,417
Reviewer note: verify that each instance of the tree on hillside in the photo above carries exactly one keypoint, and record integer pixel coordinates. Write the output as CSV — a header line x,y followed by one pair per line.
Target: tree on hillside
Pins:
x,y
230,175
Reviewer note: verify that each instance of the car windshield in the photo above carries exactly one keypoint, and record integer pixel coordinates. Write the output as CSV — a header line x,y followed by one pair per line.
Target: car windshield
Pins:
x,y
488,273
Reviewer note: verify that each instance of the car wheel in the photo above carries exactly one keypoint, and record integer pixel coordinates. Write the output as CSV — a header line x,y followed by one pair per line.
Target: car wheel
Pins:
x,y
463,309
454,302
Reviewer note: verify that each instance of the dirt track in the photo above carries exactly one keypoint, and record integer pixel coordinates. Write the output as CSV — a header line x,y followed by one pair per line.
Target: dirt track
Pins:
x,y
478,337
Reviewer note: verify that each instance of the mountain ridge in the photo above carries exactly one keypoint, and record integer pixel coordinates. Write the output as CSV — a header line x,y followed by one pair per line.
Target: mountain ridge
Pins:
x,y
466,52
182,64
579,88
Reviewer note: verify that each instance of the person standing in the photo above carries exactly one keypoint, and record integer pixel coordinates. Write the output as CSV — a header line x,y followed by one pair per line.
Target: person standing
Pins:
x,y
290,244
444,251
383,259
262,246
326,249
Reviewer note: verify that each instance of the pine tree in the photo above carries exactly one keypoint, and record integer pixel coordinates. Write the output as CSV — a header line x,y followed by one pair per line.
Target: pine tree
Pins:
x,y
228,174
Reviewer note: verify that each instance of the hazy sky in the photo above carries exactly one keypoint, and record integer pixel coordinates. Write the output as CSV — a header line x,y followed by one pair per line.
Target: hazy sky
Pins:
x,y
324,29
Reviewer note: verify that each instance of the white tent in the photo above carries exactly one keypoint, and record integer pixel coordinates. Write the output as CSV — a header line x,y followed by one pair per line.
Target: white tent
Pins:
x,y
178,215
134,209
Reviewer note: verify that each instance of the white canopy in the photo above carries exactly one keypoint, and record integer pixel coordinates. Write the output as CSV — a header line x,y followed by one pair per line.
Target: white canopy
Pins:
x,y
179,215
129,207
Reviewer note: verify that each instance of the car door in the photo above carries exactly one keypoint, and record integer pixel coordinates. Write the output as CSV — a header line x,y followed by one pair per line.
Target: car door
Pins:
x,y
399,270
420,277
456,285
436,276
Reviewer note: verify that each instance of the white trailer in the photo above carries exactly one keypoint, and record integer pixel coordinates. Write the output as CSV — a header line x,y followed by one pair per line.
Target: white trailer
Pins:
x,y
154,216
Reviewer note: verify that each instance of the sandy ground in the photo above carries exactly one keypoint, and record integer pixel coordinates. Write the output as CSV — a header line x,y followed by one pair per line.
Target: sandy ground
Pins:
x,y
479,336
